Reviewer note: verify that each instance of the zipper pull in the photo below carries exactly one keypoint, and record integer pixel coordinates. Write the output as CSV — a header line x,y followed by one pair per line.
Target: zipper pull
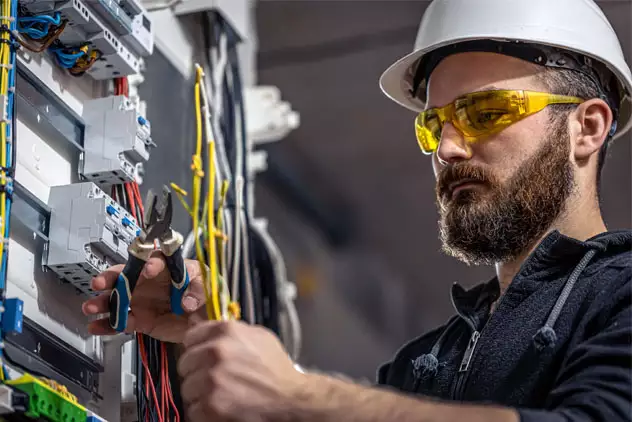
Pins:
x,y
467,357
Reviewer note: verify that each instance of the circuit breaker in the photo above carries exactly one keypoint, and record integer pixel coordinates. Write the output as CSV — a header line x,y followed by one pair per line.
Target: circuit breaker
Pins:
x,y
89,232
117,140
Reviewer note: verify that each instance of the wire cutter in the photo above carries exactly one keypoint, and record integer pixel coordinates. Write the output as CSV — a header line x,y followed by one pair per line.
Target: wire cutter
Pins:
x,y
156,226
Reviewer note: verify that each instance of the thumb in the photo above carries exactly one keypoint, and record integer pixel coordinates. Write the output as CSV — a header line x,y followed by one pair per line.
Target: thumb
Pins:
x,y
193,298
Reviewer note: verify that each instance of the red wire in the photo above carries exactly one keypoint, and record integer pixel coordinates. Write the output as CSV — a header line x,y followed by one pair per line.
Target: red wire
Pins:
x,y
168,385
134,197
131,200
150,383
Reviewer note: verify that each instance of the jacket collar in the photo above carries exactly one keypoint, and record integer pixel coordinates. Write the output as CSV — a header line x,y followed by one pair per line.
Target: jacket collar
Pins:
x,y
554,257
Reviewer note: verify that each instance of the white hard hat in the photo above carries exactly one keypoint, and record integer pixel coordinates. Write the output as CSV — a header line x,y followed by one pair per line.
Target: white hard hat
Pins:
x,y
578,27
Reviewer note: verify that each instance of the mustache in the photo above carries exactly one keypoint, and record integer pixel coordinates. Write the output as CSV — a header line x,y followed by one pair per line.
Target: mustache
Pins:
x,y
457,173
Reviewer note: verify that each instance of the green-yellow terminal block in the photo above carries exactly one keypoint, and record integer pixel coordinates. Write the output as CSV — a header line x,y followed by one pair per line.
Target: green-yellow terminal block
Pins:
x,y
46,402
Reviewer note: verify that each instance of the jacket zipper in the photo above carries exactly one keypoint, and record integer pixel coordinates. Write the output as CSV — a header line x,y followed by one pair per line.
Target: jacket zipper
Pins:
x,y
459,385
461,376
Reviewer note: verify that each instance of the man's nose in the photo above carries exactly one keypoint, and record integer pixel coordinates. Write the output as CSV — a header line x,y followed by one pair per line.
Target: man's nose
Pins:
x,y
452,147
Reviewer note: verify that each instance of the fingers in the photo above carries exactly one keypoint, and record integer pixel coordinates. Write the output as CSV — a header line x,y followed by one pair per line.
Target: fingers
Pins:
x,y
101,327
195,412
97,305
107,279
154,266
208,330
196,386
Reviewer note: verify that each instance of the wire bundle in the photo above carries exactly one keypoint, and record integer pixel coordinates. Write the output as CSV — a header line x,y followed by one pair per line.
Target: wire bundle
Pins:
x,y
38,33
219,238
154,393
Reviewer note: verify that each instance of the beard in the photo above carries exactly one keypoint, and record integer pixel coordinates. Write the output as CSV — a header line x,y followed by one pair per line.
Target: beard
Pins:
x,y
501,222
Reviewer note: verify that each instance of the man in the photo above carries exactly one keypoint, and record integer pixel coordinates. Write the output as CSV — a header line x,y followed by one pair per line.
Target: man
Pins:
x,y
518,101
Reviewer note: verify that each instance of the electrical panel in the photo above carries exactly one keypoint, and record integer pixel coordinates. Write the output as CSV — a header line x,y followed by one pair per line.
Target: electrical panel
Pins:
x,y
117,140
89,232
74,132
76,143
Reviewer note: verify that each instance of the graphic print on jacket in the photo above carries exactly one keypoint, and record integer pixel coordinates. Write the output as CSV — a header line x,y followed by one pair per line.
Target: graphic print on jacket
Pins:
x,y
560,337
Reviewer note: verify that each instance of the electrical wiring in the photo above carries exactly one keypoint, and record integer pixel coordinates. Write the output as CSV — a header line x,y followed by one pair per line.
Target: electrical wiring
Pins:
x,y
38,33
8,149
154,390
285,292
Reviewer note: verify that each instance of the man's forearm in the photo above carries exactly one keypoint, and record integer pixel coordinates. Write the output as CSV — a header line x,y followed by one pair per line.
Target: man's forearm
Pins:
x,y
327,399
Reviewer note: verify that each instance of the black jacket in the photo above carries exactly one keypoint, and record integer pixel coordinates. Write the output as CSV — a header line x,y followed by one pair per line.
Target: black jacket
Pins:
x,y
558,347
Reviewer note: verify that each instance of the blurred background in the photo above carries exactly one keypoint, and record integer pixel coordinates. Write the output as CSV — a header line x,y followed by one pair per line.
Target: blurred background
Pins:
x,y
347,193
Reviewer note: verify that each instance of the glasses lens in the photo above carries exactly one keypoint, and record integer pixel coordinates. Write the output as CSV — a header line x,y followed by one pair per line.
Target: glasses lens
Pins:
x,y
484,113
428,130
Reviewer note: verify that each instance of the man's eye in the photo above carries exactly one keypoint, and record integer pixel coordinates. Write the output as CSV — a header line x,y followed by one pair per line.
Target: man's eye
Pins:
x,y
488,116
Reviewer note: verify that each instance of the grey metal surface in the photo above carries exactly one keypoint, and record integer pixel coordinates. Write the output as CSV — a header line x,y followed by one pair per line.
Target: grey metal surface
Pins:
x,y
29,211
39,107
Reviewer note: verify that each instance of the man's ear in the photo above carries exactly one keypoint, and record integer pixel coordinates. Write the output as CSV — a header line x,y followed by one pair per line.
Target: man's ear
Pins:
x,y
594,118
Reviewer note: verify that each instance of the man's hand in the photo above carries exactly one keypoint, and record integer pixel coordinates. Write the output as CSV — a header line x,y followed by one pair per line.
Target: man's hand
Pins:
x,y
150,308
236,372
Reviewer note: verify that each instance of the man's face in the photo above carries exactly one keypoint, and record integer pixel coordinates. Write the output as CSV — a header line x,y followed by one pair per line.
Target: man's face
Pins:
x,y
499,196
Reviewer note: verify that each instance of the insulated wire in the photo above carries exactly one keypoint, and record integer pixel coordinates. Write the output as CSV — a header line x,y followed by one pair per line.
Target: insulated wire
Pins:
x,y
196,167
210,204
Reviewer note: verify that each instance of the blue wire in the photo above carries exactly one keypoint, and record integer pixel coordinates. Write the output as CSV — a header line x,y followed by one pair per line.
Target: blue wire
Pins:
x,y
66,60
26,25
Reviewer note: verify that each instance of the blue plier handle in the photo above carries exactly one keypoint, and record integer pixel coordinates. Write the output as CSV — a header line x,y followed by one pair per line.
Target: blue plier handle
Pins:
x,y
171,246
157,225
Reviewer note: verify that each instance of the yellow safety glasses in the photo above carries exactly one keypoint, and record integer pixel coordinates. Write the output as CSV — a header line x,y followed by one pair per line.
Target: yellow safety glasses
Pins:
x,y
480,114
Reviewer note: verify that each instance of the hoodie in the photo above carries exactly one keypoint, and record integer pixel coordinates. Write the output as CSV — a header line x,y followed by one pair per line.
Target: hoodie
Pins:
x,y
558,346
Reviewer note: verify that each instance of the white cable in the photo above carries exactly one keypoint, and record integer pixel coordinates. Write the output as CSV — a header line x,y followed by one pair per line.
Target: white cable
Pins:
x,y
239,196
189,244
216,86
286,291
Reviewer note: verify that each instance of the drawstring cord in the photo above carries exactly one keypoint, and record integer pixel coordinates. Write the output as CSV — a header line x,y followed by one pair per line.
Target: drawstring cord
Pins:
x,y
545,336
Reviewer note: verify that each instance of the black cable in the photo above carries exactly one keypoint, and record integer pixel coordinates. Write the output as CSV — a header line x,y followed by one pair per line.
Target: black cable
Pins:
x,y
122,196
267,280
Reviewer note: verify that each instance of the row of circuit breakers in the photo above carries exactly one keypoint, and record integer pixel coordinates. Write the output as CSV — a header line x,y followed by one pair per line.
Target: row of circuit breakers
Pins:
x,y
88,230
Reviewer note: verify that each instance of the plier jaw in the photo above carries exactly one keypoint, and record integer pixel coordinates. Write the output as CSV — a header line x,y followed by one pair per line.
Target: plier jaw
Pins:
x,y
156,226
159,212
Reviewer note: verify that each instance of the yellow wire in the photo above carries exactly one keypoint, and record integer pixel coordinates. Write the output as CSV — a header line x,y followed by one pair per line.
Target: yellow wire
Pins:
x,y
196,168
208,264
5,60
211,244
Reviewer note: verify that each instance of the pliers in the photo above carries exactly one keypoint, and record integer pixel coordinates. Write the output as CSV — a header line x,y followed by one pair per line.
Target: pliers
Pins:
x,y
157,226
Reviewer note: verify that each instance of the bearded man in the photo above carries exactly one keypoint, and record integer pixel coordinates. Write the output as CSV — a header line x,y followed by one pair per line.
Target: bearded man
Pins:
x,y
517,103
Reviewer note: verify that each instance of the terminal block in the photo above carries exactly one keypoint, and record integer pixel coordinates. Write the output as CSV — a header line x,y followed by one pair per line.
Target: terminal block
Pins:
x,y
117,139
46,402
89,232
84,27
